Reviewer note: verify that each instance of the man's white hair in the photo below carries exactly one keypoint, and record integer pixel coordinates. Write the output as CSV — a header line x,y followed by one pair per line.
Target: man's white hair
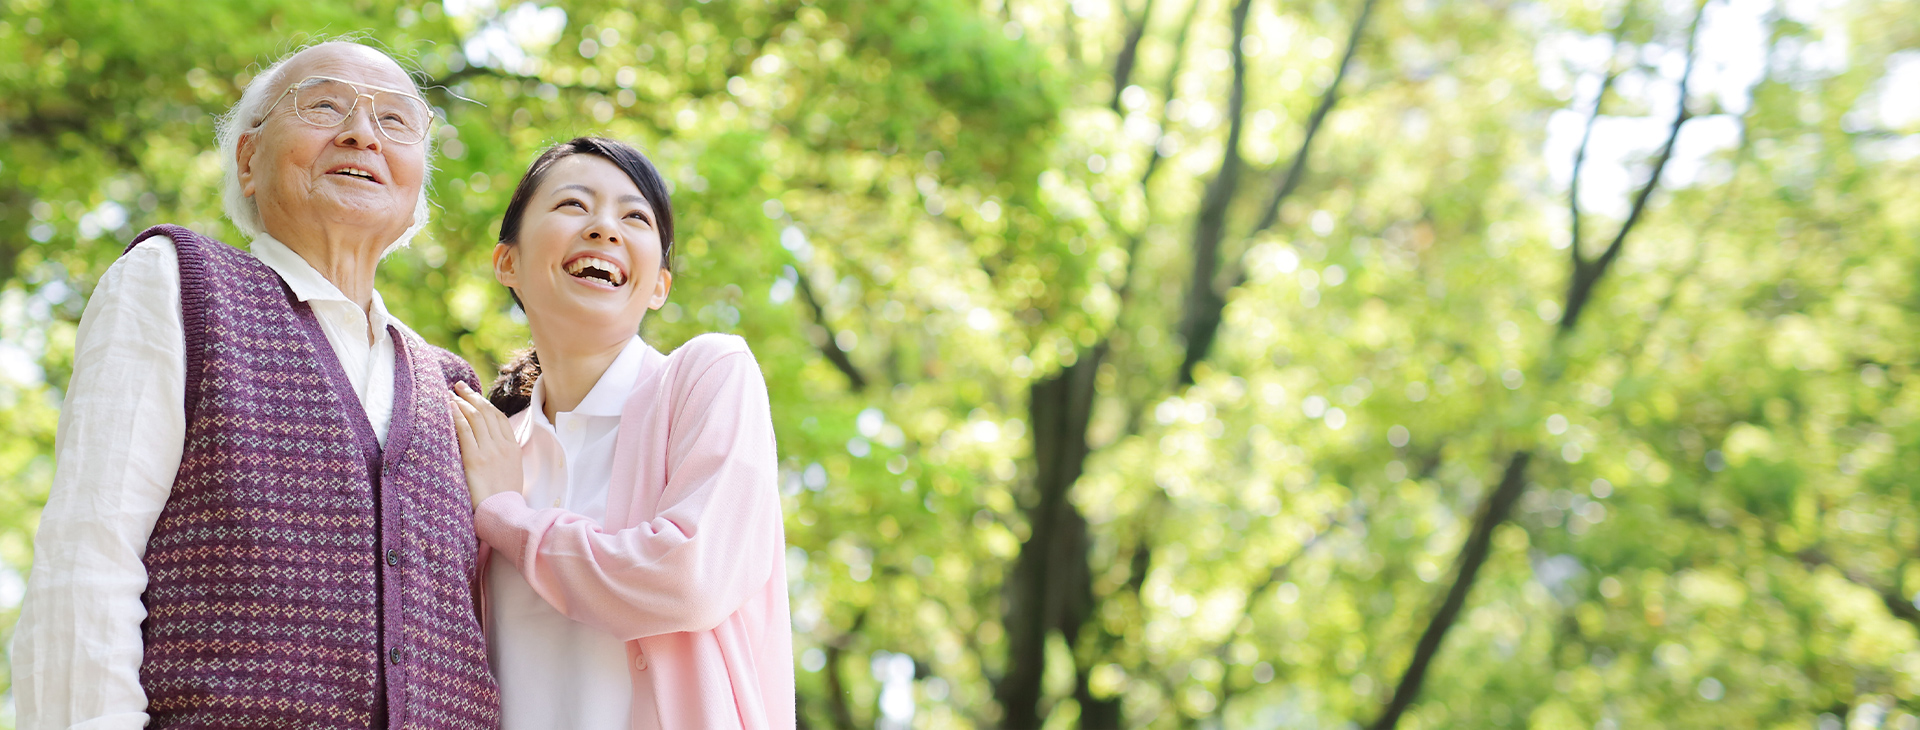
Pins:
x,y
250,112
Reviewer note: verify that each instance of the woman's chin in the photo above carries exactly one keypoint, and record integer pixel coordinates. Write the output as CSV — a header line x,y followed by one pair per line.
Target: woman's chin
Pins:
x,y
586,313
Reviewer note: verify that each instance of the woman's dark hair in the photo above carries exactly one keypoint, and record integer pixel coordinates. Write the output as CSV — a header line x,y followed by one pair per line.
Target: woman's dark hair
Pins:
x,y
513,390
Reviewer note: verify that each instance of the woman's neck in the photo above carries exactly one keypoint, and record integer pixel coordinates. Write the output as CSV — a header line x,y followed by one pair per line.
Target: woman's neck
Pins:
x,y
567,374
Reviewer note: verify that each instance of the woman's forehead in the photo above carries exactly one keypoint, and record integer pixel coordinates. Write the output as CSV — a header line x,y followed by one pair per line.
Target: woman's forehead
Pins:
x,y
591,174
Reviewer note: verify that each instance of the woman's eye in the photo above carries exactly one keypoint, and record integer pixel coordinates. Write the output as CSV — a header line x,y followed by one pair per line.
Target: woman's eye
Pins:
x,y
574,203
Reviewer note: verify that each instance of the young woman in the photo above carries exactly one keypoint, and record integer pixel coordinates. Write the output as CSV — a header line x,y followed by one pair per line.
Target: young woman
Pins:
x,y
632,550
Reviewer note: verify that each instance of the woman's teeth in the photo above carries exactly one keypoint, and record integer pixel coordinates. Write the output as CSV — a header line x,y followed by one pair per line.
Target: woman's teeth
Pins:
x,y
593,268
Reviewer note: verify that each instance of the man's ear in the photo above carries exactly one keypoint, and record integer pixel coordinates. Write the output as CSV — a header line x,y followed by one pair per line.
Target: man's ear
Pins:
x,y
661,286
504,261
243,155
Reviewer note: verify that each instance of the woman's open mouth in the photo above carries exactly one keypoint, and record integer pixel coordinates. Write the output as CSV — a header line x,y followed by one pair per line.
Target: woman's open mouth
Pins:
x,y
594,268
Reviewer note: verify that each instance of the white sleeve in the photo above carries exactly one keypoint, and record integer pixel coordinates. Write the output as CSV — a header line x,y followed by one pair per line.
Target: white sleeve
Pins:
x,y
77,648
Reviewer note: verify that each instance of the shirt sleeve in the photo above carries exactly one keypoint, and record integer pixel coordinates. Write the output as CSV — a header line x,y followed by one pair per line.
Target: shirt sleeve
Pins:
x,y
77,648
714,542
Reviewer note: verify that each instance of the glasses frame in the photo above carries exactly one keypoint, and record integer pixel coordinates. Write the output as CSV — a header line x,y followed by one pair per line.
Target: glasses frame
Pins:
x,y
358,94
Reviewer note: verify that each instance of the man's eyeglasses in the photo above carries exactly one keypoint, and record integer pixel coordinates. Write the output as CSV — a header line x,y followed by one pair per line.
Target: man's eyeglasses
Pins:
x,y
325,102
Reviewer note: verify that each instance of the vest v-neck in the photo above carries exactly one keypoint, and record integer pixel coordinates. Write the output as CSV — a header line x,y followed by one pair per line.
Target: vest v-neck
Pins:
x,y
330,370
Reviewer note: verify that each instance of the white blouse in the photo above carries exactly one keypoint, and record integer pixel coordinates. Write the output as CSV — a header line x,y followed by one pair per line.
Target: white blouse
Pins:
x,y
77,648
554,671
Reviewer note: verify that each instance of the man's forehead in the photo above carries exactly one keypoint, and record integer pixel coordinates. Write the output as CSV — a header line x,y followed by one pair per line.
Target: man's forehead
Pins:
x,y
350,61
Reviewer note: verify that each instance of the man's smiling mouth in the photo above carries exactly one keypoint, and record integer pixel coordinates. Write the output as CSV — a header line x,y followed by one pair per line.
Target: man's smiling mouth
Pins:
x,y
355,172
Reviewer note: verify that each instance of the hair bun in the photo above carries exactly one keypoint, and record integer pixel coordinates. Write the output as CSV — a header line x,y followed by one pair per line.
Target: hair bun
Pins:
x,y
513,390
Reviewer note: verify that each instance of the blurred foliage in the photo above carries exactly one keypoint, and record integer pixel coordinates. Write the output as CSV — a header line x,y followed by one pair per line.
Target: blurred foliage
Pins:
x,y
920,213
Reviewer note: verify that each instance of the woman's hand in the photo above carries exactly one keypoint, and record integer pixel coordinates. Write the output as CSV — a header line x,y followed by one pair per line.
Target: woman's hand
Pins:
x,y
488,450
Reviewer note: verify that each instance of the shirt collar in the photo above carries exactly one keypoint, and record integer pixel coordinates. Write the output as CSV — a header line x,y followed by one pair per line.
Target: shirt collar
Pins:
x,y
609,393
307,283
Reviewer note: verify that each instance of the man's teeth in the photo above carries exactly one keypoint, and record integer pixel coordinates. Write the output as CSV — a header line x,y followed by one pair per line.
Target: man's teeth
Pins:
x,y
598,269
362,174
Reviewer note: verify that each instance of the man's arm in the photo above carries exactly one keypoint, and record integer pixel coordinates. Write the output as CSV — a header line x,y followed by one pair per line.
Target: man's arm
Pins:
x,y
77,648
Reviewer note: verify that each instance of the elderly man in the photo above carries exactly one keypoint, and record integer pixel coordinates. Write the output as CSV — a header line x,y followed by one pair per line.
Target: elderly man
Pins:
x,y
258,515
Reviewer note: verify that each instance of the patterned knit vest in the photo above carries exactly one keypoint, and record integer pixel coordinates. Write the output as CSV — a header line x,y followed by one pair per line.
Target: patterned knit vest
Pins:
x,y
300,576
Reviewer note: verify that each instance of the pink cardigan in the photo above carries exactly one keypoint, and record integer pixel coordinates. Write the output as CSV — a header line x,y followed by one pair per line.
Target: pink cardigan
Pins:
x,y
690,570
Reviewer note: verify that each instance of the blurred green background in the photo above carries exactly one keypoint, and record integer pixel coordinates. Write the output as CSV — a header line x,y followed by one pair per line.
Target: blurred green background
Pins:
x,y
1178,363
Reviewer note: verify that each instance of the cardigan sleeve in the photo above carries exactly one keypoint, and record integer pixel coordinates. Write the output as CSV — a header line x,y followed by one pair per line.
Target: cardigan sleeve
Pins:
x,y
713,543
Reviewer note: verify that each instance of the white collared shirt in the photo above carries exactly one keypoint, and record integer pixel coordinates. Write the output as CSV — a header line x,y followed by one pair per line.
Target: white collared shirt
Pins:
x,y
77,647
367,360
548,663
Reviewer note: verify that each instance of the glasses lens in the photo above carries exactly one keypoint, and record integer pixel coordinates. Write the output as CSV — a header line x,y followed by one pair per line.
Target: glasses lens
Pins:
x,y
322,102
402,117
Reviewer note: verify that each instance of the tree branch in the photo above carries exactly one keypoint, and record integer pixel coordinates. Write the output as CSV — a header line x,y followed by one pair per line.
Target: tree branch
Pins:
x,y
1204,302
836,687
1273,577
1166,95
825,342
1588,273
1473,555
1586,136
1298,168
1513,482
1896,603
1129,54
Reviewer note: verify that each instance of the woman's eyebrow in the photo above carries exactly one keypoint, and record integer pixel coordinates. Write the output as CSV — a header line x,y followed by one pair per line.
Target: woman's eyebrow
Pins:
x,y
628,198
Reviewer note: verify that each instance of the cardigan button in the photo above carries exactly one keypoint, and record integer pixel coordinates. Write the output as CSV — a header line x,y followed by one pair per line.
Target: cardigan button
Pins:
x,y
393,557
640,661
394,656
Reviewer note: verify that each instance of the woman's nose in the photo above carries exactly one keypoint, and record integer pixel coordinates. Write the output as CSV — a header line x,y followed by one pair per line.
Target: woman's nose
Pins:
x,y
595,235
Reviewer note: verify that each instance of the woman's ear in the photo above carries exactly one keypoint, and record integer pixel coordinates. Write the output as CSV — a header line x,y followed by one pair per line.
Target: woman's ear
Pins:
x,y
504,261
661,286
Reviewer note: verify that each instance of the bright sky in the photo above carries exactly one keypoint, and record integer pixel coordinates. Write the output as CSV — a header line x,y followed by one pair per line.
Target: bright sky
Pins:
x,y
1732,59
1732,50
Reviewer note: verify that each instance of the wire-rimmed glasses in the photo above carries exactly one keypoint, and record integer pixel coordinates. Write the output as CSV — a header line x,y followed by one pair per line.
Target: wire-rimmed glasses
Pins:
x,y
325,102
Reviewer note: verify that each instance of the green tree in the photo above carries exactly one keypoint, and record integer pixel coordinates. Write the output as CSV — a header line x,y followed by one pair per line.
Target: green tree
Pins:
x,y
1169,363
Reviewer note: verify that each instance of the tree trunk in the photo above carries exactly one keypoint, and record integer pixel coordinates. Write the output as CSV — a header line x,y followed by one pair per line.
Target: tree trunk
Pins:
x,y
1050,588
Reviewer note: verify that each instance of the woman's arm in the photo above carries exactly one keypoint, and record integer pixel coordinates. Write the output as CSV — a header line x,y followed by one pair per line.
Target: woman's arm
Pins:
x,y
713,543
77,648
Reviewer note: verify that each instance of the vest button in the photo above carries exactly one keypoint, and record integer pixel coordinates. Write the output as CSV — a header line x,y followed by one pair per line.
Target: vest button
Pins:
x,y
640,662
393,656
393,557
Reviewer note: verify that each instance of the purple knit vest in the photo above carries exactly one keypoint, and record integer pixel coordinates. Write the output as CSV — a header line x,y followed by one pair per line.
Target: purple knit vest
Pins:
x,y
301,576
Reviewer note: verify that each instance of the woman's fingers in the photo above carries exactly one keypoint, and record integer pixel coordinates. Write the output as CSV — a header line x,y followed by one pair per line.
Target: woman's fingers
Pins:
x,y
489,452
462,425
489,423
